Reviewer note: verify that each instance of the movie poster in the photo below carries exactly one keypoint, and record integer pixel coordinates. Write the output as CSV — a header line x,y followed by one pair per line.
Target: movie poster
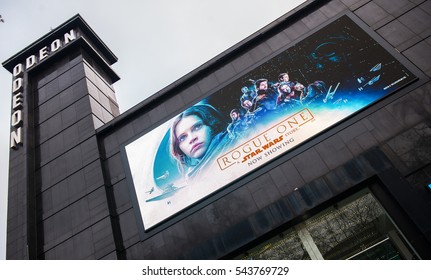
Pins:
x,y
267,112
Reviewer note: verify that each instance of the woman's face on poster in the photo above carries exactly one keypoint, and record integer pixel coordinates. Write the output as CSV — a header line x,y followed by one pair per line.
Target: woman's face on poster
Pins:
x,y
194,137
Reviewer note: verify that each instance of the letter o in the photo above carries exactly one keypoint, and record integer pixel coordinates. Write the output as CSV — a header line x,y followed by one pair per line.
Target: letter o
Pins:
x,y
30,61
18,70
16,118
284,128
236,155
17,84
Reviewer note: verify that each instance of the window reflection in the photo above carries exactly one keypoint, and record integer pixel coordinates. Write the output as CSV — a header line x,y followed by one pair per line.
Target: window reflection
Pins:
x,y
286,246
355,228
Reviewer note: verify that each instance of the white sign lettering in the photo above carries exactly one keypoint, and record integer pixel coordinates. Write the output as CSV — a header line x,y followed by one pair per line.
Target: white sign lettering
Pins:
x,y
17,117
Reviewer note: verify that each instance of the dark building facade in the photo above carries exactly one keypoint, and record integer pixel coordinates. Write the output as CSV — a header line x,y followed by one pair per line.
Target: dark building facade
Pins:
x,y
357,188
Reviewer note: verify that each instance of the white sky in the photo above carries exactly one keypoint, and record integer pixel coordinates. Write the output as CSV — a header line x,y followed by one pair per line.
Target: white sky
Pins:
x,y
156,42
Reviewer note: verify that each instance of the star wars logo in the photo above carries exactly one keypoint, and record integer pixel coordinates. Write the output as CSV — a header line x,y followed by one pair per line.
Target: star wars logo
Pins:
x,y
265,141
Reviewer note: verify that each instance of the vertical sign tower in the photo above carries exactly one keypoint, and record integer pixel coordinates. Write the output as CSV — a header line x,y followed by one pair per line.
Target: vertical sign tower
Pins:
x,y
61,93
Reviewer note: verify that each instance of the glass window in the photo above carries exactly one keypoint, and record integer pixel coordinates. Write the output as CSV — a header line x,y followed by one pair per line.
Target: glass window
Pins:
x,y
286,246
356,228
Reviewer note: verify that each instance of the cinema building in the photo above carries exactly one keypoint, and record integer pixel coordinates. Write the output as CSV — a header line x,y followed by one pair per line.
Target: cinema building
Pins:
x,y
310,139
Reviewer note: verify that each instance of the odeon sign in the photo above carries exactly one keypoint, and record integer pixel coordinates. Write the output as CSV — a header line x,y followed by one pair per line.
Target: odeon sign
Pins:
x,y
18,85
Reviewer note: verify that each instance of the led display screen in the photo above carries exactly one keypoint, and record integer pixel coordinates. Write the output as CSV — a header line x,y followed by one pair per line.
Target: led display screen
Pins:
x,y
281,103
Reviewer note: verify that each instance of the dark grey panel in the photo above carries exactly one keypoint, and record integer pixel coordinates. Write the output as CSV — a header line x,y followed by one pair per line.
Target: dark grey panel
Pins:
x,y
60,83
374,15
129,228
399,35
395,8
333,151
421,56
192,93
418,21
315,19
157,113
333,8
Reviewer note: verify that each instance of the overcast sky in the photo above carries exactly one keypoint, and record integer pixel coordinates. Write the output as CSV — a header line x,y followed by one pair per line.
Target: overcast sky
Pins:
x,y
156,42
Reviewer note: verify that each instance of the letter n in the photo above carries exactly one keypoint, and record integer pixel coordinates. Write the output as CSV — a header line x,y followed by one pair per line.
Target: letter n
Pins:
x,y
16,138
69,36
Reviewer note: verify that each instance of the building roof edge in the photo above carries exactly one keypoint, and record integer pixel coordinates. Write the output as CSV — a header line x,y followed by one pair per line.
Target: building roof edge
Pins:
x,y
76,20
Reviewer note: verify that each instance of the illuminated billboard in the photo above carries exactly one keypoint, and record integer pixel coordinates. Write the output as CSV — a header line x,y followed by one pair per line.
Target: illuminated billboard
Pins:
x,y
281,103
